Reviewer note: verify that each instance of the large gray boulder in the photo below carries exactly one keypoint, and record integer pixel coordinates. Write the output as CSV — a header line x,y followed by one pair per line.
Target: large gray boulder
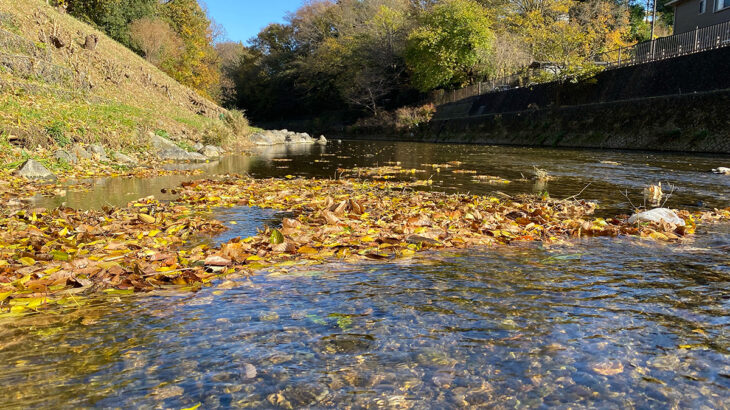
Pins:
x,y
275,137
198,146
124,159
33,169
160,143
169,151
269,138
98,152
80,152
210,151
65,156
179,154
657,215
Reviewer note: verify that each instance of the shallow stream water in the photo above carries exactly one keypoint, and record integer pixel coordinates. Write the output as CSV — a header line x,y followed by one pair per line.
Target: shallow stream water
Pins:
x,y
600,323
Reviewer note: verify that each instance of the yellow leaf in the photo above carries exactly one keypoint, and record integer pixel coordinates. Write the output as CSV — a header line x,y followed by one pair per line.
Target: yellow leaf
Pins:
x,y
307,250
27,261
146,218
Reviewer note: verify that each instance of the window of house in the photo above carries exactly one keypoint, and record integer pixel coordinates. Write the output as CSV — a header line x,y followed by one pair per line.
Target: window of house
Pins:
x,y
703,6
721,4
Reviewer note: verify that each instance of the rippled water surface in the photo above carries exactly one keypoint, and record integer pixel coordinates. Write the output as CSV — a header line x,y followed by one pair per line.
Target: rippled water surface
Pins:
x,y
601,323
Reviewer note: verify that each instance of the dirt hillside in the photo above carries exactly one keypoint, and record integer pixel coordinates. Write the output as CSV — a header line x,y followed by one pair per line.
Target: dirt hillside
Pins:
x,y
62,81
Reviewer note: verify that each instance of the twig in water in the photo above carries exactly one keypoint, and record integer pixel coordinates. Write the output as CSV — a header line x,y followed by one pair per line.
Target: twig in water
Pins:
x,y
669,195
626,195
578,194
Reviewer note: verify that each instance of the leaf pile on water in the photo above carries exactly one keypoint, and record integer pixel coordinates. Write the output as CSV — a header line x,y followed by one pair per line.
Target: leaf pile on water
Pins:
x,y
51,257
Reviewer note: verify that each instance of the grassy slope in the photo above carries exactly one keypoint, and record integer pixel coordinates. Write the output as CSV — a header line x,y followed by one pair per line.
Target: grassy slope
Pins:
x,y
53,96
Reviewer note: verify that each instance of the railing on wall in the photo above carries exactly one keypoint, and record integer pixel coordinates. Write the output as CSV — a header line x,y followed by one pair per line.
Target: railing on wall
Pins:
x,y
700,39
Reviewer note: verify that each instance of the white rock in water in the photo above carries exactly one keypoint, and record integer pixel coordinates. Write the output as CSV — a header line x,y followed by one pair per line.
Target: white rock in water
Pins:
x,y
657,215
322,140
721,170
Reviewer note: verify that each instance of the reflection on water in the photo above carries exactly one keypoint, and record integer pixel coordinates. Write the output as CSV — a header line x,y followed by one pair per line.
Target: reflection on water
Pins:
x,y
604,323
572,170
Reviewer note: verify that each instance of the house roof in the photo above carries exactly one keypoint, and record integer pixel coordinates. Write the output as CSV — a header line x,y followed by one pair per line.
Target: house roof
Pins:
x,y
675,2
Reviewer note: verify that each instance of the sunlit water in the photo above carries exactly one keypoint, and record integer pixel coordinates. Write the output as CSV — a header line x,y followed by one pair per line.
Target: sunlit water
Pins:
x,y
604,323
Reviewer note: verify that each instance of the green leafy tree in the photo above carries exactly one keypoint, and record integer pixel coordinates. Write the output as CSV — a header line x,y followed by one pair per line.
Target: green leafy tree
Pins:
x,y
113,16
452,46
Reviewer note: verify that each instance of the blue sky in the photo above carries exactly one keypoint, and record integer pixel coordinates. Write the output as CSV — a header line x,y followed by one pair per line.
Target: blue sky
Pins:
x,y
243,19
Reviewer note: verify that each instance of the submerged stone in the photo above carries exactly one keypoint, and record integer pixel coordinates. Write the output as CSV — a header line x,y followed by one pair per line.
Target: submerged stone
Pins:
x,y
33,169
657,215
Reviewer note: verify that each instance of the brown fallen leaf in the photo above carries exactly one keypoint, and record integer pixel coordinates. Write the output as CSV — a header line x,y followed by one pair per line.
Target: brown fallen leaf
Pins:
x,y
217,260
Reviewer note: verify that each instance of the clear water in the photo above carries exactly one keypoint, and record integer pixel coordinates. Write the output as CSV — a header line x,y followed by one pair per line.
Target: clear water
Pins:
x,y
602,323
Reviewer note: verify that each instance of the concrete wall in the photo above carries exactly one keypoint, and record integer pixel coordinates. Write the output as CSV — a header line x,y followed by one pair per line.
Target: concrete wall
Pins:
x,y
682,104
701,72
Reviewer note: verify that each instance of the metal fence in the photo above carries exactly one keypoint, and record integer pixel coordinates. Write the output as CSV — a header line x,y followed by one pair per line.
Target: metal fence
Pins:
x,y
701,39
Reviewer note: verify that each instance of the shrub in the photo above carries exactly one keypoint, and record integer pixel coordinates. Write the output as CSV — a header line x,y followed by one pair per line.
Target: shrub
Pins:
x,y
155,39
57,132
412,117
237,122
217,133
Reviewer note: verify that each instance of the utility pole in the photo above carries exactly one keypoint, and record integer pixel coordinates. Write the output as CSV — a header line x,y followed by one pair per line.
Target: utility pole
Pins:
x,y
653,19
653,22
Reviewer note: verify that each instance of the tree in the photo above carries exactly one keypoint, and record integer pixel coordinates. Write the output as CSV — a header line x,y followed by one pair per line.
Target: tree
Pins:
x,y
155,39
197,65
113,16
452,46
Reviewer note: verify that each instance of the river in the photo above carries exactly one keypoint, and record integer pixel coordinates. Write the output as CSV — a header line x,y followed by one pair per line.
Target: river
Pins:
x,y
608,323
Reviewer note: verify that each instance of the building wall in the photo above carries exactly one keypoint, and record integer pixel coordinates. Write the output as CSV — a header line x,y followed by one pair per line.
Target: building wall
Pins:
x,y
687,16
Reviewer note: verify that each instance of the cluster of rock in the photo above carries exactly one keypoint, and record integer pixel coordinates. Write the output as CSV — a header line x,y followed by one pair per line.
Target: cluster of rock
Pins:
x,y
169,151
163,148
275,137
94,152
